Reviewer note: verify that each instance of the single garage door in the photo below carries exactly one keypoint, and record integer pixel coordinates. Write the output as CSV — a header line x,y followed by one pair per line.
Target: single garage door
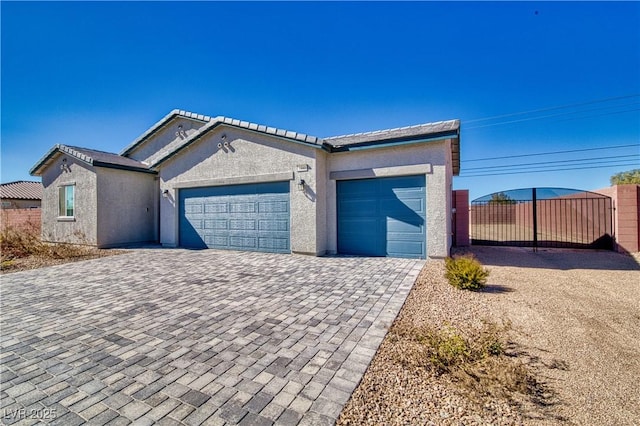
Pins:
x,y
382,216
251,217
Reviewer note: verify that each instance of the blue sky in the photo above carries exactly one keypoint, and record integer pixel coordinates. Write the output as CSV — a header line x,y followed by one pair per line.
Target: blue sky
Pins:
x,y
99,74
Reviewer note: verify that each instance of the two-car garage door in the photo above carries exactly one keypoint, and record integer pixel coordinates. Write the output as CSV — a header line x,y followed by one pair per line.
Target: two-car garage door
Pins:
x,y
252,217
376,217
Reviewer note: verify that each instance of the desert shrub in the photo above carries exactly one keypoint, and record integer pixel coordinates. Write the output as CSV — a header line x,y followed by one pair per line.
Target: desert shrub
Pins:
x,y
465,272
447,348
17,243
475,358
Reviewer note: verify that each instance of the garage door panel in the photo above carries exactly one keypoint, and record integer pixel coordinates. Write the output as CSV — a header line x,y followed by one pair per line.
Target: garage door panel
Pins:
x,y
194,208
406,208
273,225
216,241
243,243
409,249
216,208
358,208
405,226
273,206
216,224
242,224
382,216
243,207
359,189
273,244
239,217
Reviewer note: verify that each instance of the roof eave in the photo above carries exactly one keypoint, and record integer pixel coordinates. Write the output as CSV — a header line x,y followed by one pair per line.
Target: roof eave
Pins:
x,y
417,139
35,170
123,167
217,122
159,125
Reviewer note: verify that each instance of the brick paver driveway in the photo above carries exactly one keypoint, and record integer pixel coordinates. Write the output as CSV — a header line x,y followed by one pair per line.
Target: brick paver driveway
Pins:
x,y
191,337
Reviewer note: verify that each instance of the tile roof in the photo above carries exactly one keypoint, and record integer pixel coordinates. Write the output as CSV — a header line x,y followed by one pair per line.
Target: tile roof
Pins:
x,y
418,133
93,157
232,122
153,129
21,190
427,129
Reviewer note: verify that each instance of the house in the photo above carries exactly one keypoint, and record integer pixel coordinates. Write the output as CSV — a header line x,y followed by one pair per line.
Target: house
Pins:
x,y
197,181
21,194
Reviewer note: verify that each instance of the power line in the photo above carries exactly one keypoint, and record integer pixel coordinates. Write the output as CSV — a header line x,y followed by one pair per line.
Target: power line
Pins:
x,y
599,166
560,114
552,152
595,101
553,167
578,160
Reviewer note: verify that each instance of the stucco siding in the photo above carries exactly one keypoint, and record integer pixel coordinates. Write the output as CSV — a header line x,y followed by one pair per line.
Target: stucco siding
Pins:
x,y
126,207
249,157
163,140
433,158
322,185
82,228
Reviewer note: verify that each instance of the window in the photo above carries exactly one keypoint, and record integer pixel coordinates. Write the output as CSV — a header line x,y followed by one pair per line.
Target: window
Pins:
x,y
67,202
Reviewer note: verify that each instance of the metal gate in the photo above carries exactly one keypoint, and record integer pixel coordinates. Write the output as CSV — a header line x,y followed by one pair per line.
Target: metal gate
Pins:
x,y
543,217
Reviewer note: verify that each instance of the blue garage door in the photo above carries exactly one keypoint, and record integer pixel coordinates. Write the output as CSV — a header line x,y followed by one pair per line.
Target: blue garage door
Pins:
x,y
382,217
237,217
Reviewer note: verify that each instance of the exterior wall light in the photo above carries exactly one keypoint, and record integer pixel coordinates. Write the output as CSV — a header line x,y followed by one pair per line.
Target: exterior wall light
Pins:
x,y
301,185
165,193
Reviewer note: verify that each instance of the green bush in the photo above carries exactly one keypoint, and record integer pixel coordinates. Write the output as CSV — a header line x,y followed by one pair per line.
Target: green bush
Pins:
x,y
465,272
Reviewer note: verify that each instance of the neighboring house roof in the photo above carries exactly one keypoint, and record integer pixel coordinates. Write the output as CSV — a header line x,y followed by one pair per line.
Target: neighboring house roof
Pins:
x,y
21,190
92,157
421,133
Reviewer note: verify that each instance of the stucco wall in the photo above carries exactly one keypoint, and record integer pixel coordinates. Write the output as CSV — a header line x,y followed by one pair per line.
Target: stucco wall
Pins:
x,y
126,207
251,157
82,228
322,185
436,155
162,141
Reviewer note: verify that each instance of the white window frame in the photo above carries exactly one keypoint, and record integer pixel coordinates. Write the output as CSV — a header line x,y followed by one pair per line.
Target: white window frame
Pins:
x,y
62,201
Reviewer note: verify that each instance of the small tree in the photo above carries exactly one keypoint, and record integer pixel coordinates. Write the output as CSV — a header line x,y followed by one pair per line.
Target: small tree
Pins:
x,y
631,176
501,198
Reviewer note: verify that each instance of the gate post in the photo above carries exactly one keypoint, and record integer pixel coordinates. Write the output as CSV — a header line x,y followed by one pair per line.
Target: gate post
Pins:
x,y
534,205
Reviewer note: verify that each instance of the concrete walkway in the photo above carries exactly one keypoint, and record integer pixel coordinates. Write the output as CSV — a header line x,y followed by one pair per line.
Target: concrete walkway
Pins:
x,y
194,337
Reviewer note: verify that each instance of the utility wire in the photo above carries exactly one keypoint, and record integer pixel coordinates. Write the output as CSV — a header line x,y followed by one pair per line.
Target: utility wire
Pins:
x,y
553,166
595,101
599,166
552,152
508,166
558,115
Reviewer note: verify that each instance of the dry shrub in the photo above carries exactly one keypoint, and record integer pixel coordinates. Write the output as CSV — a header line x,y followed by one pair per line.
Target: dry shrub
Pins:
x,y
475,358
19,243
16,243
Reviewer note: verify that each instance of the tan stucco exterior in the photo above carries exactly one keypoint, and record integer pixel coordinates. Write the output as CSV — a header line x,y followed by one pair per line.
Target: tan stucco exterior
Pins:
x,y
249,158
127,201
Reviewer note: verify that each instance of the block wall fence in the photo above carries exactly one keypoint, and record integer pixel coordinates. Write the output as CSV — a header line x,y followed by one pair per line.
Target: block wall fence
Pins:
x,y
21,219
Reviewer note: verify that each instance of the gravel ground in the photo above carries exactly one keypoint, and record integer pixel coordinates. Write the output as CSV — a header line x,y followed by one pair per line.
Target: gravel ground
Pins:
x,y
36,262
575,319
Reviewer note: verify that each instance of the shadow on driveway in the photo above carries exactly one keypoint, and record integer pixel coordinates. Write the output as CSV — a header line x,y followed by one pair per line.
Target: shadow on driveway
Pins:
x,y
562,259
